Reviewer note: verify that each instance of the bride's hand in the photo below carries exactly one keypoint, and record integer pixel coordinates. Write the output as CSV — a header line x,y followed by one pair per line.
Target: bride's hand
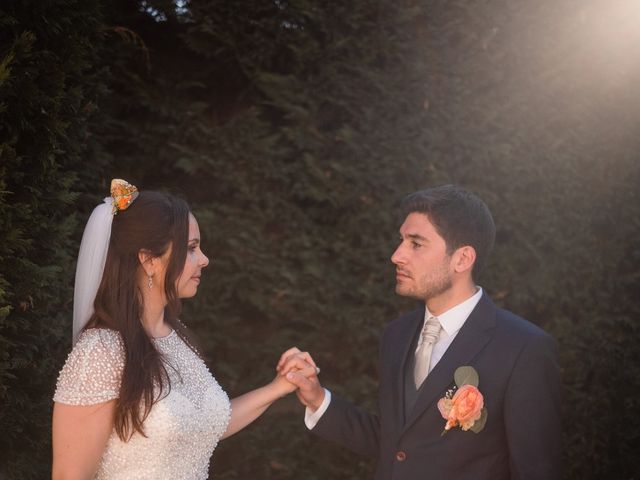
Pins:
x,y
310,391
304,366
282,385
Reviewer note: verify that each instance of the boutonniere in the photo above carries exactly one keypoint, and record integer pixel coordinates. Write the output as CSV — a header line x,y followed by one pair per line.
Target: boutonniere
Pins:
x,y
463,405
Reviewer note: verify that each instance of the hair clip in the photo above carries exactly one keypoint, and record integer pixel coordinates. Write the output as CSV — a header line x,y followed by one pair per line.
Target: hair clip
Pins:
x,y
123,194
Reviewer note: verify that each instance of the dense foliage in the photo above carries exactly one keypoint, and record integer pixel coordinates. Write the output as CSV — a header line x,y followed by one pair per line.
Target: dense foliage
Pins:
x,y
48,91
541,117
293,128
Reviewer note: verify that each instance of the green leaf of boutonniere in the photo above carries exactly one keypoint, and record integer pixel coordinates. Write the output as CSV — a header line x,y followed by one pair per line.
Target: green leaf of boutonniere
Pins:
x,y
478,425
466,376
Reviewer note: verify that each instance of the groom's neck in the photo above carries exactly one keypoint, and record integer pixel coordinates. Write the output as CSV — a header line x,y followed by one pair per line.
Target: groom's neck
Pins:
x,y
451,297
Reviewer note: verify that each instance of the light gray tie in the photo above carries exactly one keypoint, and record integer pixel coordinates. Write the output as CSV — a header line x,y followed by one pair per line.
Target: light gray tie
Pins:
x,y
429,336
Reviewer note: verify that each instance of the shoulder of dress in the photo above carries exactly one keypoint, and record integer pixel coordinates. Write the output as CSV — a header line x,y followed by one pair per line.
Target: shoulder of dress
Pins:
x,y
92,372
100,338
106,334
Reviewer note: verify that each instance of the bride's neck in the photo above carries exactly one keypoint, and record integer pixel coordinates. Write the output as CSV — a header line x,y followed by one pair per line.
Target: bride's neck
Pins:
x,y
153,315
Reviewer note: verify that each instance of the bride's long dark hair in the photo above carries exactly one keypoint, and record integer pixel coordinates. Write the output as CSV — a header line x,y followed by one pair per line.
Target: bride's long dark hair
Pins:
x,y
155,222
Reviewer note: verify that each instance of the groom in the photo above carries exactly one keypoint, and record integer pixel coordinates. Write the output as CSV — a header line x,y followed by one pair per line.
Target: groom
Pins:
x,y
445,239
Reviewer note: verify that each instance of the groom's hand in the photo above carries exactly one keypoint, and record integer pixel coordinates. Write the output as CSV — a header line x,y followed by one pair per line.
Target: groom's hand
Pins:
x,y
294,365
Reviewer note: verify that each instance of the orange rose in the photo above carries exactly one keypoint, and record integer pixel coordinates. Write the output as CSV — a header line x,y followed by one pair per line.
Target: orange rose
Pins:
x,y
463,409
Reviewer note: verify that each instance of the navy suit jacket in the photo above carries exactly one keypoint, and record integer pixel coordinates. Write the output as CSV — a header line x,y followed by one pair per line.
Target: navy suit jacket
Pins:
x,y
519,379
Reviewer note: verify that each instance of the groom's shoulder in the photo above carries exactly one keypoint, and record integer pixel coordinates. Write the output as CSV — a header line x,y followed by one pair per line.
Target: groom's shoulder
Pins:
x,y
405,320
517,326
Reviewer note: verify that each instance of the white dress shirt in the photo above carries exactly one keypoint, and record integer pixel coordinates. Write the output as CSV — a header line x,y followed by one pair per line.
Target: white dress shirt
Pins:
x,y
452,321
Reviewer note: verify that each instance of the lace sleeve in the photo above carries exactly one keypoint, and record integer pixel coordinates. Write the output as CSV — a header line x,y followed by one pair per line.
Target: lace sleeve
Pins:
x,y
93,370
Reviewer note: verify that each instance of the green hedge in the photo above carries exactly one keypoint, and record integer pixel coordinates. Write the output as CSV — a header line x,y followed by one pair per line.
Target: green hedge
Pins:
x,y
293,129
48,91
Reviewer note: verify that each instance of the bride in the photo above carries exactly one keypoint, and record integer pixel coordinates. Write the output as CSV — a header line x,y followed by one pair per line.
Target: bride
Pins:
x,y
134,398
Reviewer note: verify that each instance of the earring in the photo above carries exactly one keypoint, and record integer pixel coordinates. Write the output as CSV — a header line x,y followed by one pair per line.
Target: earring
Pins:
x,y
150,282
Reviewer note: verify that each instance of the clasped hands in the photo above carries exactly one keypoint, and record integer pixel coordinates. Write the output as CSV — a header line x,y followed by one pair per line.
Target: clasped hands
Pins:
x,y
300,371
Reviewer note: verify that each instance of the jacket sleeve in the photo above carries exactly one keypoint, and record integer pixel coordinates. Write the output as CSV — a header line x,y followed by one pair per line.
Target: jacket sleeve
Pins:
x,y
532,415
350,426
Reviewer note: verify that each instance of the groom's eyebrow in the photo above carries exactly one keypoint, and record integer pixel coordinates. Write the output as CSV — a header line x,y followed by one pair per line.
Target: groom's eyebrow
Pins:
x,y
195,240
415,236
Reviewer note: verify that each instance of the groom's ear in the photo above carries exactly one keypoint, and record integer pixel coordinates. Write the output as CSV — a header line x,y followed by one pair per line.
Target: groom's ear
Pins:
x,y
464,258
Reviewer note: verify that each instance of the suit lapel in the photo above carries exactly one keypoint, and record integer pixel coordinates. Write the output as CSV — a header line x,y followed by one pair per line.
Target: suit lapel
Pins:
x,y
472,337
401,361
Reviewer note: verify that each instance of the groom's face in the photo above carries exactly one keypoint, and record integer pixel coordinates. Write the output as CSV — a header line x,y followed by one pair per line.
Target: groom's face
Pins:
x,y
423,267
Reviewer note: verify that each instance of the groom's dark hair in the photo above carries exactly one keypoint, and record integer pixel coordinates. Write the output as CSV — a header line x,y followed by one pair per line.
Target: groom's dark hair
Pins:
x,y
459,216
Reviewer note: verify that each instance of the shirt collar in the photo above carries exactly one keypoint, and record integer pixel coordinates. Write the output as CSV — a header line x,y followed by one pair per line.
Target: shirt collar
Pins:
x,y
453,319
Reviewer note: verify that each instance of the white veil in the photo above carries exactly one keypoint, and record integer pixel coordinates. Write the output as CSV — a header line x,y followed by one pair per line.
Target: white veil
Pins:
x,y
91,260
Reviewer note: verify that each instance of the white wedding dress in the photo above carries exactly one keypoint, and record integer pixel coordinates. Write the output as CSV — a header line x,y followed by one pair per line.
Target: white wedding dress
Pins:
x,y
182,429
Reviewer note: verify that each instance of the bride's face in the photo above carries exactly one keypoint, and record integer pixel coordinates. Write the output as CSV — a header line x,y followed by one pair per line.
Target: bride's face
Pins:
x,y
188,281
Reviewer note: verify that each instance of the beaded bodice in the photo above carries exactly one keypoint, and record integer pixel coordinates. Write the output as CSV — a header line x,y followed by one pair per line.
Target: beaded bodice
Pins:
x,y
183,427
